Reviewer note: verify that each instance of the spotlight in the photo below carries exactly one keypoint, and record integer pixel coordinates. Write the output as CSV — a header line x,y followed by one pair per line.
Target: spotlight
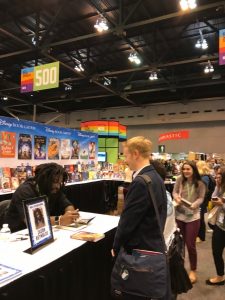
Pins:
x,y
209,68
201,42
101,24
107,81
79,68
153,76
67,87
188,4
34,40
134,58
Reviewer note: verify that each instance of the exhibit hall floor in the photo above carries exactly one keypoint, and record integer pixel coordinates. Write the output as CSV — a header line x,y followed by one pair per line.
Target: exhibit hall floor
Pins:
x,y
206,269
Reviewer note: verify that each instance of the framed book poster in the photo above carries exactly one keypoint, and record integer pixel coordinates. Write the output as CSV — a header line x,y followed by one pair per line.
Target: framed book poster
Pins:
x,y
38,222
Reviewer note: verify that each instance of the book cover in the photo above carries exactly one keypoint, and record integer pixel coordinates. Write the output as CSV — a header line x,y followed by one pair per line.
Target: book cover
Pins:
x,y
7,273
24,146
75,149
6,184
39,147
87,236
65,148
13,172
6,172
21,173
14,183
53,148
92,150
83,151
7,144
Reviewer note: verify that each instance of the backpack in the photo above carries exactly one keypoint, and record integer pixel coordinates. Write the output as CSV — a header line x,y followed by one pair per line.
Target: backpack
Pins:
x,y
211,186
209,190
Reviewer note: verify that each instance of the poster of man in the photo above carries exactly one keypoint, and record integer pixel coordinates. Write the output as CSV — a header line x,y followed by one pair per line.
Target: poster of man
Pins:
x,y
38,218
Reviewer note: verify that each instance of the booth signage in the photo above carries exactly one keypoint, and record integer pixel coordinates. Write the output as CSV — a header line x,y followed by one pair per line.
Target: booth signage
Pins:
x,y
40,78
222,47
174,135
162,148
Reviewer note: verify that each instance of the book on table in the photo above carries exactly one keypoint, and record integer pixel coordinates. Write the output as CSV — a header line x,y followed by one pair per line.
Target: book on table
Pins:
x,y
7,273
186,202
87,236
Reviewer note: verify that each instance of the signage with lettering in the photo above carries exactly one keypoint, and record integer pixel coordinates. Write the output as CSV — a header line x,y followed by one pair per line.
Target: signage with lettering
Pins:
x,y
40,78
174,135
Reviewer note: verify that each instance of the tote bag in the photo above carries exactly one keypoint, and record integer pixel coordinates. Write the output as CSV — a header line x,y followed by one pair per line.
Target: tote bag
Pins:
x,y
142,273
212,216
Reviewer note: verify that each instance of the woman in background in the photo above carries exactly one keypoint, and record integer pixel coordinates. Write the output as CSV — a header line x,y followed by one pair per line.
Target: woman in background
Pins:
x,y
209,181
189,187
218,237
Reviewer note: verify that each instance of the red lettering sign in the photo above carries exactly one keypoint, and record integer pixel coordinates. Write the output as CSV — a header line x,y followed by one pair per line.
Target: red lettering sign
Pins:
x,y
174,135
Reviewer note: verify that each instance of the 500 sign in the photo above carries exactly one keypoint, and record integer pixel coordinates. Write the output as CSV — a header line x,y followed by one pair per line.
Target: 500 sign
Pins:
x,y
40,78
46,76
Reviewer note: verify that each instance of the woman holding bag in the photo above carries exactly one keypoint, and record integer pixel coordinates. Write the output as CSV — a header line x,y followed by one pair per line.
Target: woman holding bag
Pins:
x,y
188,193
218,238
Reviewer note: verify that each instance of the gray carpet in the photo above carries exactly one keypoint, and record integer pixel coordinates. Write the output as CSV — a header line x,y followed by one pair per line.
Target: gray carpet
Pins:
x,y
206,269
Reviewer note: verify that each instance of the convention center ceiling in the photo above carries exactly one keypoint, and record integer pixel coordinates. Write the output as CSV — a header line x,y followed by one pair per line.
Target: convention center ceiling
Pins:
x,y
147,52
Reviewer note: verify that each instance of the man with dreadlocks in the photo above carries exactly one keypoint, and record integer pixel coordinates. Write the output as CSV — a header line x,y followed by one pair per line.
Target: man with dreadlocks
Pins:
x,y
48,180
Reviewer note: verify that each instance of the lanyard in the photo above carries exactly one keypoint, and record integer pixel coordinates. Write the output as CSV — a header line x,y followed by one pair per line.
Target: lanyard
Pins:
x,y
190,190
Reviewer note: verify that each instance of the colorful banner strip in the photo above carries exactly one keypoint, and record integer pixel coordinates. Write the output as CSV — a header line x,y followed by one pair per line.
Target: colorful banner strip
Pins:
x,y
105,128
174,135
222,47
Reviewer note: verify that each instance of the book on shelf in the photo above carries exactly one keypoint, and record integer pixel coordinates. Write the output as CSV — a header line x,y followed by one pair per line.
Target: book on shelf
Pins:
x,y
7,273
87,236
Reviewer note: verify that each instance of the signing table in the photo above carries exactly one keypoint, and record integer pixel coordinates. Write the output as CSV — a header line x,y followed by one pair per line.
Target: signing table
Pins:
x,y
97,196
65,269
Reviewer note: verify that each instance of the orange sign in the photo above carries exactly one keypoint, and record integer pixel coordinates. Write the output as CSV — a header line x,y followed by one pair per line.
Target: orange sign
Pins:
x,y
174,135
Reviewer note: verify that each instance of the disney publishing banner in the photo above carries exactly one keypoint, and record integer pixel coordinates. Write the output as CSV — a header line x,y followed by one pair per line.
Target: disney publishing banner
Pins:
x,y
34,143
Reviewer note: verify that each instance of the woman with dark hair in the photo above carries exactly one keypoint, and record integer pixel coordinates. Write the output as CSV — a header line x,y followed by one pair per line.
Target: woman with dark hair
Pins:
x,y
218,237
188,193
49,180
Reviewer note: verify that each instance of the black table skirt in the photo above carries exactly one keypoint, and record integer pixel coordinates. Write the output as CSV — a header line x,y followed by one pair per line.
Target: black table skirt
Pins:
x,y
97,197
83,274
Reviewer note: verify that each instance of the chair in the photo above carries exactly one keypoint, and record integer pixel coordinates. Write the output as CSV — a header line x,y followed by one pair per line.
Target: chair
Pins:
x,y
4,205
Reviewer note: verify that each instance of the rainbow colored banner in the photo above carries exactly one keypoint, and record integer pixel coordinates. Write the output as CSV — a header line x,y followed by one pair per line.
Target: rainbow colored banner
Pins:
x,y
105,128
113,128
27,80
122,132
100,127
222,47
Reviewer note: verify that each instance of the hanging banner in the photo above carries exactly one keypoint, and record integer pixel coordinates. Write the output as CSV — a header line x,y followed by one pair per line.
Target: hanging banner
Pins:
x,y
106,128
31,142
40,78
222,47
174,135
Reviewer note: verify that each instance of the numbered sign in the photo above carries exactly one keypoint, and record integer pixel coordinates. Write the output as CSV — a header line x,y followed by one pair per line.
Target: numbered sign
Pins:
x,y
46,76
40,77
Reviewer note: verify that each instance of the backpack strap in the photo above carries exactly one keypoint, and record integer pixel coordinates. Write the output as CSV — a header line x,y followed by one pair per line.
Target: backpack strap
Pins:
x,y
148,181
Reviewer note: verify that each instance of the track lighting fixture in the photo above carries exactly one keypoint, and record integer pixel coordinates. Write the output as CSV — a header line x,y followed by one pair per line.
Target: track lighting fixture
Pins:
x,y
209,68
153,76
101,24
188,4
133,57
